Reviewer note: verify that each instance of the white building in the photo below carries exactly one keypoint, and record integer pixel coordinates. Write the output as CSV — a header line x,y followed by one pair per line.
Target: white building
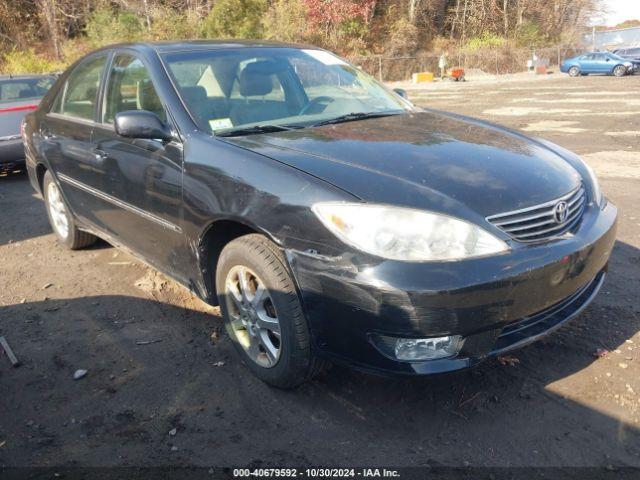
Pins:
x,y
612,39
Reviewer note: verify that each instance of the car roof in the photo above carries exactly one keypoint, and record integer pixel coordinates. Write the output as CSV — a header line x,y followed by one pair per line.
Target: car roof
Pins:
x,y
201,45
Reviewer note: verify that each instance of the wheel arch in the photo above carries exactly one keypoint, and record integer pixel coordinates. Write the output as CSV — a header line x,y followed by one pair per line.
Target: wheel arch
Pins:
x,y
216,235
613,70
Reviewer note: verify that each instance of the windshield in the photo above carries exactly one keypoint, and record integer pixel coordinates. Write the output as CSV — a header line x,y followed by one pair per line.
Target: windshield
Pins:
x,y
233,89
18,89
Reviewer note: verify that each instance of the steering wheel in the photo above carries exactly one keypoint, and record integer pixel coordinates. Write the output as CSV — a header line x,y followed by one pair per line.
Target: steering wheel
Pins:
x,y
315,102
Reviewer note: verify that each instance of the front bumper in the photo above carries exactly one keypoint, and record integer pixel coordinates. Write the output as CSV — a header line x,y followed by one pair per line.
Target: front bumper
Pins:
x,y
497,304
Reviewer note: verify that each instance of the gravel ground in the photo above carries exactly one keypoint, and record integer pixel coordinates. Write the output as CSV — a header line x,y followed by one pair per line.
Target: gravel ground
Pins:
x,y
185,399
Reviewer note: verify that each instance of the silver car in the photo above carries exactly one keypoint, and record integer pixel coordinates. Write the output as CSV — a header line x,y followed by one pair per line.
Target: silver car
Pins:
x,y
18,96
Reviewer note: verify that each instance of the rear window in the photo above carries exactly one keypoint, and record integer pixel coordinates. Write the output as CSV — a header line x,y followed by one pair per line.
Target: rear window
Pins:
x,y
79,95
14,90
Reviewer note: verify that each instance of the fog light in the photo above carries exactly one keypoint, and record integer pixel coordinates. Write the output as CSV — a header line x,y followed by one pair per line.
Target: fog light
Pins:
x,y
416,349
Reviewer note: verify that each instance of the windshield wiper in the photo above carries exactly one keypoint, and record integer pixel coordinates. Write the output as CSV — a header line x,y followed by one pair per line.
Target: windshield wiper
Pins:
x,y
349,117
256,129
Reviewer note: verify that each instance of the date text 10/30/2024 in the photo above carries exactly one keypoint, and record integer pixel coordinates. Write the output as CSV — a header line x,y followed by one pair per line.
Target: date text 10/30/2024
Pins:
x,y
316,473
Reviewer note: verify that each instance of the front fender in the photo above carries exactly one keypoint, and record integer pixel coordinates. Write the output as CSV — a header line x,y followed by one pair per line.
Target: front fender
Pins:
x,y
227,183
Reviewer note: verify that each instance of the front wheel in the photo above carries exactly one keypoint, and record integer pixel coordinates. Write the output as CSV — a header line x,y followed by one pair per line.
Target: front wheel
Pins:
x,y
262,312
620,71
61,218
574,71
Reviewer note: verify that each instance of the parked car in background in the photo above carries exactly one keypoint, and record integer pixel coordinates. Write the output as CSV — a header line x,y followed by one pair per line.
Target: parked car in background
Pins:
x,y
18,96
597,62
632,53
326,215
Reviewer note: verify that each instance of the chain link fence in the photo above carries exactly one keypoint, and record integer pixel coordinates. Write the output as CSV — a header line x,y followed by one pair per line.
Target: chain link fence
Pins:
x,y
492,61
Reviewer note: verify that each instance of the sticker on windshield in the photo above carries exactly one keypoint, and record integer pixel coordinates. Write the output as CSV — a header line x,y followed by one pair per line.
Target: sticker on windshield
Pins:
x,y
325,57
220,123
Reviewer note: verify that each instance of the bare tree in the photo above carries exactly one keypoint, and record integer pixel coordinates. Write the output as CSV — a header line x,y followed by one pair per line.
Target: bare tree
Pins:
x,y
48,9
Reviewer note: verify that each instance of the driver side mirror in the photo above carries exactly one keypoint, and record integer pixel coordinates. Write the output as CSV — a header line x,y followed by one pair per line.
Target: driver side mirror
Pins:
x,y
141,124
402,92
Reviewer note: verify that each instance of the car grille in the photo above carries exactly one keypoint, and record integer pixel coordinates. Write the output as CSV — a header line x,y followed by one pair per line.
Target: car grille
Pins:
x,y
543,222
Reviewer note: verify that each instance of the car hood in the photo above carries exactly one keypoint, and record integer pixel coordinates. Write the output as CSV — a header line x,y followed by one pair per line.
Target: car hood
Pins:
x,y
425,160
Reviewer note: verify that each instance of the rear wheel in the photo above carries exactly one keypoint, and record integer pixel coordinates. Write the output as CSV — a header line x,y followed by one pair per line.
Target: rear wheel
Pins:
x,y
620,71
61,218
574,71
262,312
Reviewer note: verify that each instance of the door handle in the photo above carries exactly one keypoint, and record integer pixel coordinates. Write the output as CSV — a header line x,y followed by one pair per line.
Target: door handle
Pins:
x,y
47,135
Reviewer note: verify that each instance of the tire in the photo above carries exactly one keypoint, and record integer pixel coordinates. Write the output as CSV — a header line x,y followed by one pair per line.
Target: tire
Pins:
x,y
620,71
574,71
61,219
260,262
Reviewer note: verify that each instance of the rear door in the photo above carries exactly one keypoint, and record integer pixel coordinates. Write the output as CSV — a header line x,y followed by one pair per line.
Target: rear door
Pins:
x,y
66,136
141,178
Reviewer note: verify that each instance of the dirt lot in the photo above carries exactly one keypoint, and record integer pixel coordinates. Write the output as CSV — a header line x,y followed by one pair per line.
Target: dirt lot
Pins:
x,y
559,406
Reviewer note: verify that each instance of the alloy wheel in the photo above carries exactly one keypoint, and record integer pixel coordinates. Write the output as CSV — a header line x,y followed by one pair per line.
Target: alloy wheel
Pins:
x,y
253,316
57,210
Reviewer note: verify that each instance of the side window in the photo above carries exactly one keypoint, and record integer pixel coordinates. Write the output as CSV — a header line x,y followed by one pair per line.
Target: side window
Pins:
x,y
15,91
81,89
130,88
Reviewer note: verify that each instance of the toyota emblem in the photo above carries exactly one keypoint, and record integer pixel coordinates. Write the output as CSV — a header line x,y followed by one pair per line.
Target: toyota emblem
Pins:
x,y
560,212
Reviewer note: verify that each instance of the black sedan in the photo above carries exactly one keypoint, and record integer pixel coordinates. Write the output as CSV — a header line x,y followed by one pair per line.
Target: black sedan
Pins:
x,y
18,95
632,55
327,216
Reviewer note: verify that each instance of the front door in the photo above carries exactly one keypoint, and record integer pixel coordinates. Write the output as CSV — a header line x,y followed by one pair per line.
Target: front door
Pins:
x,y
142,178
603,63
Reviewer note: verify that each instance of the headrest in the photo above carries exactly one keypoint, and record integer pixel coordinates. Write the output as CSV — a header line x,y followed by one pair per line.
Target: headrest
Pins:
x,y
256,79
146,97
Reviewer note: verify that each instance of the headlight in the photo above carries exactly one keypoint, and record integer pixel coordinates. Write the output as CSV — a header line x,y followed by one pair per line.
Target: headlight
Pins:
x,y
406,234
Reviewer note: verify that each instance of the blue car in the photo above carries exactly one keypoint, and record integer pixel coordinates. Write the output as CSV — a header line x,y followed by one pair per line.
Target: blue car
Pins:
x,y
597,62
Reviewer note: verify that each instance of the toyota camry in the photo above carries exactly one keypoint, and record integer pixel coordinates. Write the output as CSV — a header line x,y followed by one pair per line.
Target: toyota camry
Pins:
x,y
328,217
